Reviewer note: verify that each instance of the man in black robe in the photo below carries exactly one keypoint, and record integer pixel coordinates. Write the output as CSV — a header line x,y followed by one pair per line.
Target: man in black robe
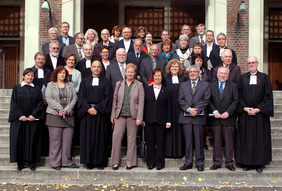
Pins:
x,y
253,148
94,107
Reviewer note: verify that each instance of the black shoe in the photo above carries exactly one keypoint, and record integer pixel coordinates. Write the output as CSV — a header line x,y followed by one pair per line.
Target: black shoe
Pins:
x,y
74,166
129,167
115,167
230,167
19,168
259,169
32,168
57,168
159,168
246,169
215,167
200,168
101,167
150,167
90,166
206,147
186,167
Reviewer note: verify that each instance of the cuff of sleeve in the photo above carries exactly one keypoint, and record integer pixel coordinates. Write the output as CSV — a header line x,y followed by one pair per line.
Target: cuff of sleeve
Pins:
x,y
187,110
215,111
168,123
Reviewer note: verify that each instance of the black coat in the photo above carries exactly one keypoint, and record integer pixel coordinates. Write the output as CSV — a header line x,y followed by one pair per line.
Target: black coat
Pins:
x,y
131,58
49,65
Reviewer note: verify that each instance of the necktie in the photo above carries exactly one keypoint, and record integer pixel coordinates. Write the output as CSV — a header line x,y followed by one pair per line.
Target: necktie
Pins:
x,y
221,87
137,57
79,53
202,40
122,71
154,64
193,87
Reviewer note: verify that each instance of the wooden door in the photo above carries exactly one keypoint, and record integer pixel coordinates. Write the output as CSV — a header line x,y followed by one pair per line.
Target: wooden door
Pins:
x,y
275,65
12,63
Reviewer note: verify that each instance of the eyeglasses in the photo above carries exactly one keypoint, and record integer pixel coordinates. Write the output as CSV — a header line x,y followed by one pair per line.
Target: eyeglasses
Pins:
x,y
55,48
252,62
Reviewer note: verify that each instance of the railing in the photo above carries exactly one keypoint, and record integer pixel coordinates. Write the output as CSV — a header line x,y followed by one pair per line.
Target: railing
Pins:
x,y
4,55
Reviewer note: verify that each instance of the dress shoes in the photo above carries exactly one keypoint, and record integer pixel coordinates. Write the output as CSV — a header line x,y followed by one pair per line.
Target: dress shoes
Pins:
x,y
200,168
115,167
90,166
159,168
259,169
101,167
32,168
215,167
56,168
19,168
186,167
129,167
74,166
230,167
246,169
206,147
150,167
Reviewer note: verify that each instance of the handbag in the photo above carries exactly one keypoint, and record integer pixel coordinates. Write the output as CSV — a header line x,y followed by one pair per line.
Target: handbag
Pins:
x,y
142,143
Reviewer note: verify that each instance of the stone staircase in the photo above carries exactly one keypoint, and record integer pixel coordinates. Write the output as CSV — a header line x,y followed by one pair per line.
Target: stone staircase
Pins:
x,y
141,175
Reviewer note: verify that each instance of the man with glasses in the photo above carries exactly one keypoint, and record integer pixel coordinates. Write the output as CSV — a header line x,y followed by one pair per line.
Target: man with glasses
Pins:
x,y
253,145
76,48
53,34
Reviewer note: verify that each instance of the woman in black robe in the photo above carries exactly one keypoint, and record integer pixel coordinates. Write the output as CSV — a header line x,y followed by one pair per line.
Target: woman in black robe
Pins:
x,y
26,108
94,107
174,141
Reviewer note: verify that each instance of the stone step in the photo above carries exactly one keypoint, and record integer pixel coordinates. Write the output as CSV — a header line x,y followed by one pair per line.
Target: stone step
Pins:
x,y
275,122
141,174
4,105
6,92
5,99
4,120
277,107
4,129
4,112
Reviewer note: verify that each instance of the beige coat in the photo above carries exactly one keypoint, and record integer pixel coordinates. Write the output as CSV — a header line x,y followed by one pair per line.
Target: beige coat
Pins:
x,y
136,100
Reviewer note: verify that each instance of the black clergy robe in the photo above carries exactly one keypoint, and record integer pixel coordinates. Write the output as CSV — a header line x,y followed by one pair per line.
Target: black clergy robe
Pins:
x,y
253,147
25,143
94,129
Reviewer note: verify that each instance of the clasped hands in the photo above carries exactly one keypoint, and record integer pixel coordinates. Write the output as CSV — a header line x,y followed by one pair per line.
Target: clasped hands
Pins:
x,y
63,113
251,111
92,111
225,115
23,118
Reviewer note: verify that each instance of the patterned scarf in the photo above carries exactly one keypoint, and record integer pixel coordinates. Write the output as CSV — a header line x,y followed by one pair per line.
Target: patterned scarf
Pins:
x,y
168,56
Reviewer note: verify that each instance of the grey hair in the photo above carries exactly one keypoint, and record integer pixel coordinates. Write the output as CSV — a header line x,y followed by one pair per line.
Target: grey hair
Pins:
x,y
53,42
195,66
86,44
120,50
40,53
221,33
53,28
184,37
227,50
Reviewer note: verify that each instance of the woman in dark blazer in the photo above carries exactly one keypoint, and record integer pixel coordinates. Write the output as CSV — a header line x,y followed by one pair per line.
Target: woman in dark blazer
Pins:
x,y
174,144
205,74
157,117
61,98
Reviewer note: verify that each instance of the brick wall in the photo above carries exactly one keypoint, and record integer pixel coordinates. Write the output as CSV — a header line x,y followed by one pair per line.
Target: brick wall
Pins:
x,y
238,40
56,10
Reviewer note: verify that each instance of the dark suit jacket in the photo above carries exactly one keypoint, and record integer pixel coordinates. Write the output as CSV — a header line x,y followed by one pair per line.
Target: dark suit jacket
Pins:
x,y
146,68
204,48
45,48
41,82
113,74
137,97
158,111
120,44
228,103
234,73
60,39
131,58
112,51
216,60
81,66
71,49
199,100
49,65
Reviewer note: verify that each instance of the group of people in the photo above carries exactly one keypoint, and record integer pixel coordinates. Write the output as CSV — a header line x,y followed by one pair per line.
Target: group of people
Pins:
x,y
95,92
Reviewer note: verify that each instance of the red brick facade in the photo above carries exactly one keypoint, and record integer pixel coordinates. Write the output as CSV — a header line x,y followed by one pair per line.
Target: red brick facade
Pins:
x,y
238,40
56,10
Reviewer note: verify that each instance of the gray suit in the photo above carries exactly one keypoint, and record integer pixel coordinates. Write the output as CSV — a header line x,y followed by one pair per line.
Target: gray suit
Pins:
x,y
113,74
71,49
136,110
193,127
147,68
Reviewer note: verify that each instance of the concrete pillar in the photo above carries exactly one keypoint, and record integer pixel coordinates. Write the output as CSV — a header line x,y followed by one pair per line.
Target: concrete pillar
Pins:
x,y
31,28
256,31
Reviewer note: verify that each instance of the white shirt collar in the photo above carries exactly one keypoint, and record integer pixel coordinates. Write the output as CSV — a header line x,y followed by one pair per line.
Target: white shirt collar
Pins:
x,y
24,84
